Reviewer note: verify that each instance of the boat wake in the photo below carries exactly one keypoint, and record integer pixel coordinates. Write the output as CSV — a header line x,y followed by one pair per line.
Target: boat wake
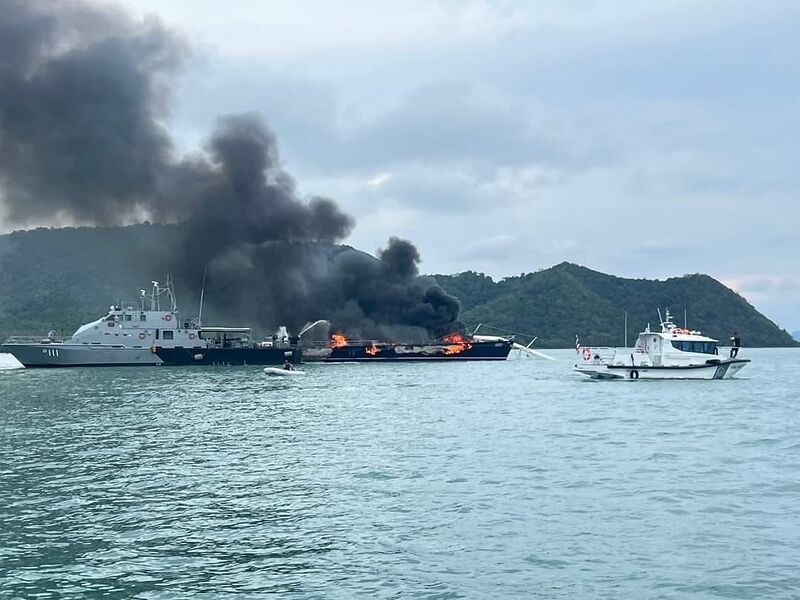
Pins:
x,y
9,363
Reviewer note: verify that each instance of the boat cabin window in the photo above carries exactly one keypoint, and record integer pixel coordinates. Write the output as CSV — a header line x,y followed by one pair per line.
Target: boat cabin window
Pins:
x,y
143,317
128,317
167,334
111,317
699,347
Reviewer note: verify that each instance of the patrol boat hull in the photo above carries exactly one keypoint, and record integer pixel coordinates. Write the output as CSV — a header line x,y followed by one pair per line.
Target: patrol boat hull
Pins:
x,y
722,369
225,356
58,355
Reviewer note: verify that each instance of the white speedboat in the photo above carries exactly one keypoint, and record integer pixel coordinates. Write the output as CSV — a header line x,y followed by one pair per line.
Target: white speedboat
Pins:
x,y
672,353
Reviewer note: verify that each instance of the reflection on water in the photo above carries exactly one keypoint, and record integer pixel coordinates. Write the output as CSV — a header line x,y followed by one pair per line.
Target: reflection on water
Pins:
x,y
516,479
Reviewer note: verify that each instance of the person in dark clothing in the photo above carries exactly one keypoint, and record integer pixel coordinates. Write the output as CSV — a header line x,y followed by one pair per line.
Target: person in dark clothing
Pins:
x,y
287,366
736,343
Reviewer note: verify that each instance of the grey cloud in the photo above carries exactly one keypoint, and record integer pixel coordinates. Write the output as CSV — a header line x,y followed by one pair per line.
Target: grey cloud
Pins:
x,y
449,120
493,248
459,121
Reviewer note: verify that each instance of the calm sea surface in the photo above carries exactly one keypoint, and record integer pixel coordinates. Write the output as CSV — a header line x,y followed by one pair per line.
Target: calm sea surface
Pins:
x,y
477,480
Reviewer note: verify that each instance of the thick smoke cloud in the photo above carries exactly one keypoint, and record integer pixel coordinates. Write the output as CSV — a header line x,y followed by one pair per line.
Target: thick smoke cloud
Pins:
x,y
83,101
390,291
247,199
84,139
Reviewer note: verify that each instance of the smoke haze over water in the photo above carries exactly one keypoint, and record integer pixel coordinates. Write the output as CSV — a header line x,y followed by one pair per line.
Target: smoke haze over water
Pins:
x,y
84,139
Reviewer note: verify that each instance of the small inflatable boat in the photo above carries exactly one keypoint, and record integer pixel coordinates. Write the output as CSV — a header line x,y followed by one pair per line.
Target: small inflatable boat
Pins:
x,y
281,372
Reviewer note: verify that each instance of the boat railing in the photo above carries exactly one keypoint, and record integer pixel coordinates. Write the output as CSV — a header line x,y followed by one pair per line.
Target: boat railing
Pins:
x,y
32,339
276,342
320,344
597,355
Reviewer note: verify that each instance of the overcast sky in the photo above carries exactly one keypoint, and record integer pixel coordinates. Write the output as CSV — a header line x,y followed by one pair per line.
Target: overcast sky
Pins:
x,y
642,139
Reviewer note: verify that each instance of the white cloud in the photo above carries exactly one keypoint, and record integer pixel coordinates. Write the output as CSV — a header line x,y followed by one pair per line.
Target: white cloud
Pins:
x,y
378,180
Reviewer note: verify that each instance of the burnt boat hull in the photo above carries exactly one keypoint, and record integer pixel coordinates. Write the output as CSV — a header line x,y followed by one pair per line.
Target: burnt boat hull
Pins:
x,y
225,356
411,353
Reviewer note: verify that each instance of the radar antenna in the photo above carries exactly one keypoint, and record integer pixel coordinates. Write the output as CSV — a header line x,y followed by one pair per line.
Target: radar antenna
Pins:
x,y
171,293
202,295
154,296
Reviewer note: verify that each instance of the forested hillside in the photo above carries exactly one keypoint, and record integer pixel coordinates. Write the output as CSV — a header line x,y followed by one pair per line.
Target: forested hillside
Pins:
x,y
61,278
558,303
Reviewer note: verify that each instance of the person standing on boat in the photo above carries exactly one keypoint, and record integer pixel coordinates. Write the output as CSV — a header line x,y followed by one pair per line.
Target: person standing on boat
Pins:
x,y
736,343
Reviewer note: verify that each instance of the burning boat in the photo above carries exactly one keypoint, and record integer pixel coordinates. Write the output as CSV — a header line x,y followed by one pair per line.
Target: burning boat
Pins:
x,y
455,347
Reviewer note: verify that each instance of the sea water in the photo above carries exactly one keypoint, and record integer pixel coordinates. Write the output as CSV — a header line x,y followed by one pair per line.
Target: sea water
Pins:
x,y
477,480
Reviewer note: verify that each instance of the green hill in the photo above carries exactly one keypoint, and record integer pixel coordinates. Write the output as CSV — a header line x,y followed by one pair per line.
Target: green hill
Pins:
x,y
558,303
61,278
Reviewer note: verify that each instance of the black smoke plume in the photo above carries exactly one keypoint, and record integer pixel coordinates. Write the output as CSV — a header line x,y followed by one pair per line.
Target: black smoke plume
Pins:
x,y
84,93
84,139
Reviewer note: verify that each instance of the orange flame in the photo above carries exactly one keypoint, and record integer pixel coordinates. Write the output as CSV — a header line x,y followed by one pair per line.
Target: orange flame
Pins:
x,y
457,344
372,350
454,338
337,341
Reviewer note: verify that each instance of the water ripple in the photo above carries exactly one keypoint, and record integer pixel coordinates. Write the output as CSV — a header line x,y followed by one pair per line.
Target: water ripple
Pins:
x,y
427,481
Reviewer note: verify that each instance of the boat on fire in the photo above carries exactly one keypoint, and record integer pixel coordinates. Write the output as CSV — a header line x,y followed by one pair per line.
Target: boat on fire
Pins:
x,y
672,353
149,336
453,347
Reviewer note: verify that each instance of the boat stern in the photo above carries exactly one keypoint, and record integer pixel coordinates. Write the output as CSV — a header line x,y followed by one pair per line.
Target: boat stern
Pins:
x,y
733,367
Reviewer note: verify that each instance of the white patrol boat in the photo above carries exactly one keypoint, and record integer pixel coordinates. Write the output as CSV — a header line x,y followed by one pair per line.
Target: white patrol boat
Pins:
x,y
151,336
672,353
124,336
